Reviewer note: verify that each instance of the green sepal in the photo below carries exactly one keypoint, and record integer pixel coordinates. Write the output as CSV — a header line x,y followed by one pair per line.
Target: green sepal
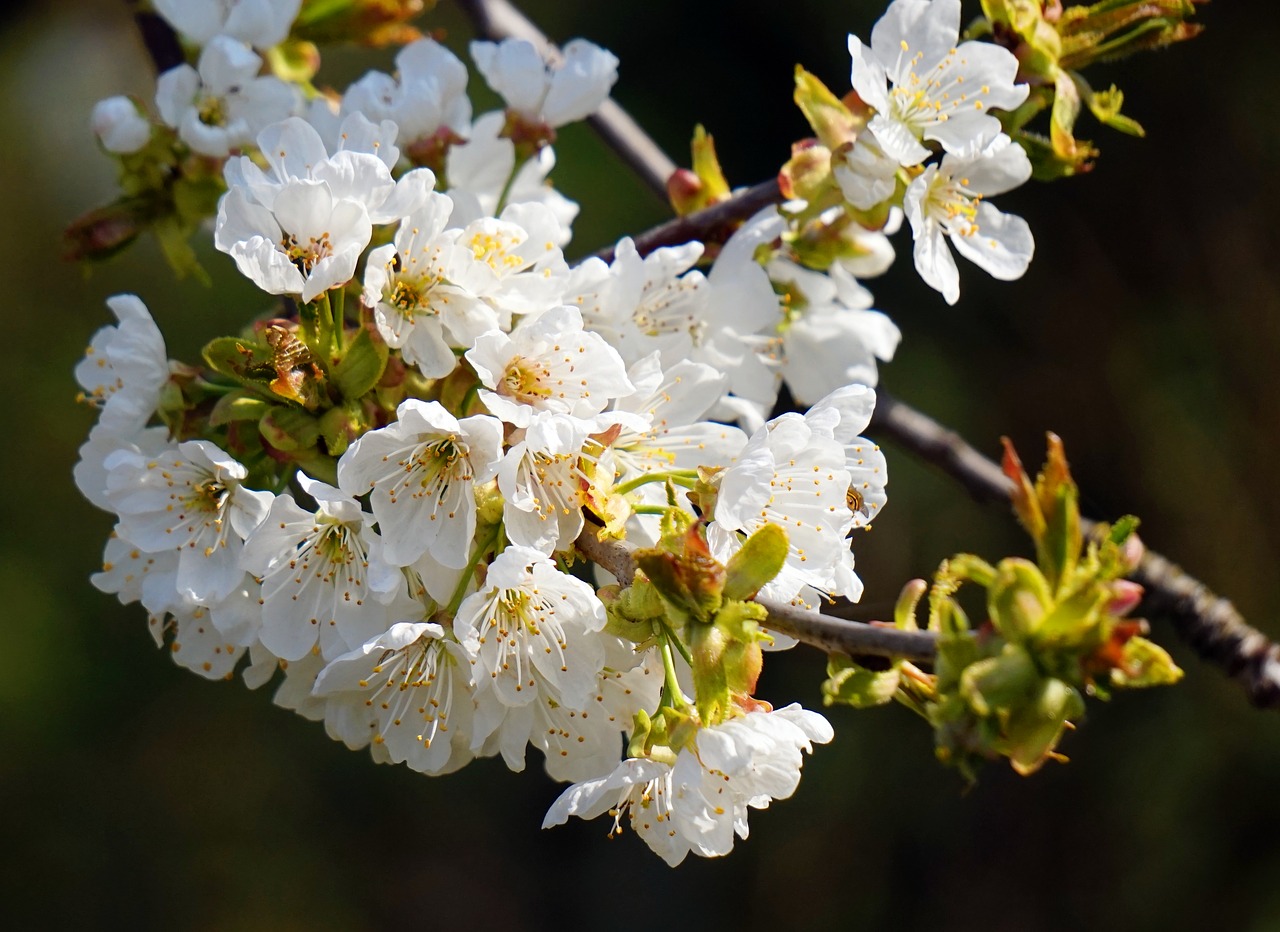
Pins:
x,y
240,405
742,658
641,728
289,429
1059,548
361,365
707,647
691,190
1074,620
904,610
173,236
318,466
1145,663
1120,532
631,613
851,684
759,561
682,569
1105,106
339,427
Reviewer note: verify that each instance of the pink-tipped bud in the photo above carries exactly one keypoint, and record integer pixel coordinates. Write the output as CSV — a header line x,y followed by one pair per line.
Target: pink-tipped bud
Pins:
x,y
1125,596
1133,550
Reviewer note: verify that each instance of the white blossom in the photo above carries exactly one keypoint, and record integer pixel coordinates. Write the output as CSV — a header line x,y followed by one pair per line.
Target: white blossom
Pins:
x,y
548,364
791,473
548,93
314,573
125,367
190,500
479,170
700,803
948,202
543,483
867,175
429,94
407,690
832,337
941,89
421,473
532,632
260,23
222,104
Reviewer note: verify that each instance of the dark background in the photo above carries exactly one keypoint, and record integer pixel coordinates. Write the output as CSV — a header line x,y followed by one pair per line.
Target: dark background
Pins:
x,y
1146,334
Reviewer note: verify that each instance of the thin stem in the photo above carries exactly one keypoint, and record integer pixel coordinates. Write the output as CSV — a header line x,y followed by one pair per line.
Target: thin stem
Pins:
x,y
683,477
511,180
460,591
650,509
675,638
338,310
672,694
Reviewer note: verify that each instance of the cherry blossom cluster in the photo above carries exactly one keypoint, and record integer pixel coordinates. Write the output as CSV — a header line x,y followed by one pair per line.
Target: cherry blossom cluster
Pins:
x,y
375,491
925,85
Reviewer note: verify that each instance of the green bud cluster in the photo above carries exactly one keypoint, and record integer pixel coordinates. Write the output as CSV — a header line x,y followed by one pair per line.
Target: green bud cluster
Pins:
x,y
1054,44
1054,632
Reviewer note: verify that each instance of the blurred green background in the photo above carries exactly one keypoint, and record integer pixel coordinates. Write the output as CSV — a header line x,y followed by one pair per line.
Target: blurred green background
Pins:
x,y
133,793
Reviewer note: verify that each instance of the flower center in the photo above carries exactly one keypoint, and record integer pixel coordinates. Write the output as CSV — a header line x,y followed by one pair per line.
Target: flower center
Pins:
x,y
305,256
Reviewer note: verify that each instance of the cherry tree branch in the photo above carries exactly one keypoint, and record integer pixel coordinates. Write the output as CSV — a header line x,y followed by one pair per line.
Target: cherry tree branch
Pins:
x,y
834,635
1210,624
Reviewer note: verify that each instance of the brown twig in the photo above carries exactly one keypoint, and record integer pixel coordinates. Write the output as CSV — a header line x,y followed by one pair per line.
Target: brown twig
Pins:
x,y
834,635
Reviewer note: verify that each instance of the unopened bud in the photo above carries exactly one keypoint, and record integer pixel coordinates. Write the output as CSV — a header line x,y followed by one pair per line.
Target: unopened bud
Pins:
x,y
684,190
1125,596
119,125
1132,551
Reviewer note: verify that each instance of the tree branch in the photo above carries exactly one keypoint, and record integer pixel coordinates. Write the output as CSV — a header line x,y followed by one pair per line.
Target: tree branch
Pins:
x,y
1209,624
824,631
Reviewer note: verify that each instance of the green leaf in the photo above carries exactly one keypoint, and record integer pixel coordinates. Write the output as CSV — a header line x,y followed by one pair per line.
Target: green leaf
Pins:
x,y
759,560
243,360
1018,599
849,684
289,429
1000,683
361,366
831,120
237,406
1033,730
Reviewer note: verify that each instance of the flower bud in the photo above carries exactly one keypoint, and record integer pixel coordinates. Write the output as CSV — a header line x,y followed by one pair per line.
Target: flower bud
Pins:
x,y
1125,596
119,125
